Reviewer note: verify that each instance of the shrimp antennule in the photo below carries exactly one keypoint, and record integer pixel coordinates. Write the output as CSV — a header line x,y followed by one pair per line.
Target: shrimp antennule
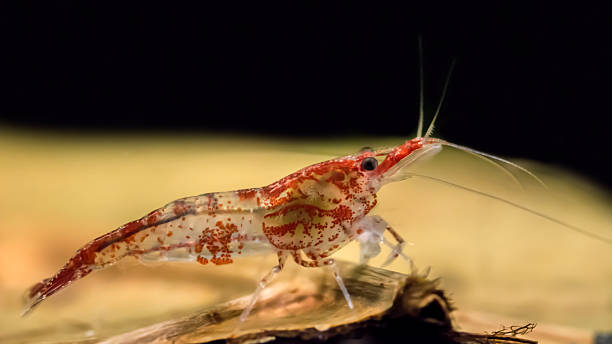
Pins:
x,y
500,167
421,95
493,157
430,129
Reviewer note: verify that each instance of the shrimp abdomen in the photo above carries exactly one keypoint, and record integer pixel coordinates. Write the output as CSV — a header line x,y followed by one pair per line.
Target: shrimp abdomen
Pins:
x,y
211,227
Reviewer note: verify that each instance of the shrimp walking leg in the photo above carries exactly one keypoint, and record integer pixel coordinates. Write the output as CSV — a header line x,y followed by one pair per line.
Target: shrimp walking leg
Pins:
x,y
336,274
397,249
282,257
331,264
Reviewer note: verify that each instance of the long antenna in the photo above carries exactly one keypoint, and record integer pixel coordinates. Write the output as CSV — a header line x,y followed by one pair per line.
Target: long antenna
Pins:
x,y
433,121
516,205
421,77
497,165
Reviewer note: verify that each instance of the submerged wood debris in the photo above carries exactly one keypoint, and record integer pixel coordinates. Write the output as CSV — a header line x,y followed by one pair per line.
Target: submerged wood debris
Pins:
x,y
389,307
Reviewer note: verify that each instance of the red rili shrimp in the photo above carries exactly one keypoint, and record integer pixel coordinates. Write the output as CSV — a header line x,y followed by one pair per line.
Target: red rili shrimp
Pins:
x,y
307,216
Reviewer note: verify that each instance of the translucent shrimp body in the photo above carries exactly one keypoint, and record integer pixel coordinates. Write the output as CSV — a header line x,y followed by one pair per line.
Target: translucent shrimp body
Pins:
x,y
307,215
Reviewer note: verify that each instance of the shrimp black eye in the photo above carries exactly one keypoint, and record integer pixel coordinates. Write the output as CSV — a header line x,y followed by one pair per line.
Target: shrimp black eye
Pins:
x,y
369,164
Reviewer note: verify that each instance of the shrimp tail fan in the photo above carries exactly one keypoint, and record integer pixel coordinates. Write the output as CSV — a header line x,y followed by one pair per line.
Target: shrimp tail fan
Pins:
x,y
79,266
91,257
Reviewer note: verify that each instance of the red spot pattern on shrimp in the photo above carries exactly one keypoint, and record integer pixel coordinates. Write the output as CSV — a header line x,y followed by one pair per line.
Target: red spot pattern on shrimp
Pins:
x,y
151,219
180,208
246,194
218,241
202,260
313,209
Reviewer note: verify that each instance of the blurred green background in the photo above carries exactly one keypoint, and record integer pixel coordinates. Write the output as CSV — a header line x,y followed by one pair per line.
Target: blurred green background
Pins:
x,y
61,190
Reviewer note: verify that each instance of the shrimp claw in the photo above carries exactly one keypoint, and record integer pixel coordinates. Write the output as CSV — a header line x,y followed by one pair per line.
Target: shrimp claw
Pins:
x,y
397,249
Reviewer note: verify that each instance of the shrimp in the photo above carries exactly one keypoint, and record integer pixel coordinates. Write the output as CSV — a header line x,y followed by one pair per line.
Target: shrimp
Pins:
x,y
307,216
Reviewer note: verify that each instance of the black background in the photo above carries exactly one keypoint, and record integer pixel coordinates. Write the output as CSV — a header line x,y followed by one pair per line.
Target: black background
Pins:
x,y
530,82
